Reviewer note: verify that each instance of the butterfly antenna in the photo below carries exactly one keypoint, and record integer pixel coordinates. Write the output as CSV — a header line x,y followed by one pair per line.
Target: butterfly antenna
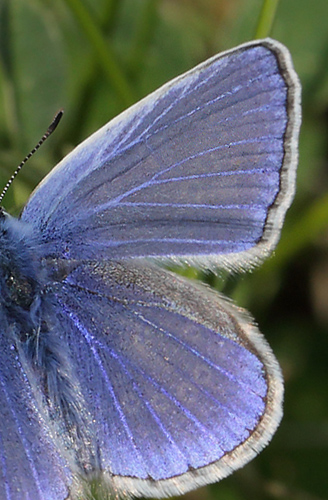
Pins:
x,y
50,129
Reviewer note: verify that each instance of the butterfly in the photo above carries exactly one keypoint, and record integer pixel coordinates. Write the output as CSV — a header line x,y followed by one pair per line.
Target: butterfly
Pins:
x,y
116,373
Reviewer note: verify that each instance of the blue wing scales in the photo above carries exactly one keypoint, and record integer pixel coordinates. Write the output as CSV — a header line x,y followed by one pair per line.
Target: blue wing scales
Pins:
x,y
202,169
31,464
161,363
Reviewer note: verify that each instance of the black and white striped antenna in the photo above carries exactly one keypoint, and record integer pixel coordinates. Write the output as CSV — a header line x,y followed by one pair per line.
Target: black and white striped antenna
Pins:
x,y
49,131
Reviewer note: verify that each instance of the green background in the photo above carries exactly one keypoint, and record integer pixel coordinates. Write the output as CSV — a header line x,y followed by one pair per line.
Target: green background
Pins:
x,y
96,57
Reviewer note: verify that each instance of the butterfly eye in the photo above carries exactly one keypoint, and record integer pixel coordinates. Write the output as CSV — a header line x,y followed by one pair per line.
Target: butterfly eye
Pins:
x,y
20,291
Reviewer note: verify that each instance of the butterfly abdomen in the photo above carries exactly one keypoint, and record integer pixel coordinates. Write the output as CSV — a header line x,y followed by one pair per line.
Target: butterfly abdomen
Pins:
x,y
26,303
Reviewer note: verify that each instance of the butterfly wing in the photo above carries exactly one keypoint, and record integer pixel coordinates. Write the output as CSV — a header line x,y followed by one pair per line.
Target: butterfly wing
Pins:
x,y
181,387
202,169
31,465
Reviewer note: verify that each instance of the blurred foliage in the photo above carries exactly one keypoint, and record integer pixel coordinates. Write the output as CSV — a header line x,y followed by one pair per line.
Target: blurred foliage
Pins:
x,y
53,55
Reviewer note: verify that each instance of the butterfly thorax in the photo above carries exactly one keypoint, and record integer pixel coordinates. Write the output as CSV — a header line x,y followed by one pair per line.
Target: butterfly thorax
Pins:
x,y
20,281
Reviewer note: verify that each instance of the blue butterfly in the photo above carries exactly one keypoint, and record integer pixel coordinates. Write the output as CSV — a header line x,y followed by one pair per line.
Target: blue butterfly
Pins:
x,y
115,372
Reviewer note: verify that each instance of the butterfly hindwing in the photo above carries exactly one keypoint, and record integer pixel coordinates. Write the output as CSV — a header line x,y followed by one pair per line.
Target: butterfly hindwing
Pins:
x,y
174,378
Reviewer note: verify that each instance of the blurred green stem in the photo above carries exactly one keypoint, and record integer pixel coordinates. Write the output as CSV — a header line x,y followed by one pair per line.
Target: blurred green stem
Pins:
x,y
266,18
8,102
146,24
109,12
102,50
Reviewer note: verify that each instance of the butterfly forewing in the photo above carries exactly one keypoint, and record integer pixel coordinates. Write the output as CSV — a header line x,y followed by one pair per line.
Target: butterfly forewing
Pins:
x,y
193,170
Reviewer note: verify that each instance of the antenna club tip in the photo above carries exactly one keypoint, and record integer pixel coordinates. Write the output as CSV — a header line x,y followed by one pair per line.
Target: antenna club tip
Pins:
x,y
55,121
